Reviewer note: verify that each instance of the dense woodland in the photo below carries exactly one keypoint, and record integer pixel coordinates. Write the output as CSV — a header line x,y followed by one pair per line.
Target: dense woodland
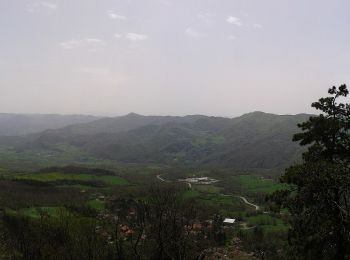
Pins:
x,y
255,140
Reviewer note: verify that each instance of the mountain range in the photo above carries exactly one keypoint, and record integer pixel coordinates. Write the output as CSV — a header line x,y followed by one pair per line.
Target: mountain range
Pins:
x,y
255,140
21,124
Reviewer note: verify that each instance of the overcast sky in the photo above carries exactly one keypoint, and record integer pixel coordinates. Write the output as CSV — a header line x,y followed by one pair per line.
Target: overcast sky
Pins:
x,y
171,57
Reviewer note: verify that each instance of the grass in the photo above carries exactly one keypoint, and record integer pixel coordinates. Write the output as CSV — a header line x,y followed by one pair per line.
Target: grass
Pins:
x,y
207,188
96,204
256,184
190,194
56,176
220,199
61,154
113,180
227,206
267,222
77,186
35,212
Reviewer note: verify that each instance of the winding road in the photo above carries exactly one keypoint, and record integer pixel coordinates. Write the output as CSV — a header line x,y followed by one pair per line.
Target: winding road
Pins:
x,y
249,203
160,178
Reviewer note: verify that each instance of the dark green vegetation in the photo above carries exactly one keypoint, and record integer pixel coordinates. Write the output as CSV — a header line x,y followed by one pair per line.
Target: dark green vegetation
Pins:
x,y
133,190
76,178
319,197
255,184
76,212
252,141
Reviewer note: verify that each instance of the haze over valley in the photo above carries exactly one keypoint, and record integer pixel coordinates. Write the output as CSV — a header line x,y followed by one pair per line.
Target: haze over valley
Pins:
x,y
254,140
174,130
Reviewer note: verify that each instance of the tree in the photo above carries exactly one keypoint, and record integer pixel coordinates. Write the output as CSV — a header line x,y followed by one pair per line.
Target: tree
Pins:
x,y
172,222
318,200
162,225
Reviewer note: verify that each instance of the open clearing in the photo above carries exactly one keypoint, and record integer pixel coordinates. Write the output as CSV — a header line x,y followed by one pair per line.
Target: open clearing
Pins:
x,y
254,184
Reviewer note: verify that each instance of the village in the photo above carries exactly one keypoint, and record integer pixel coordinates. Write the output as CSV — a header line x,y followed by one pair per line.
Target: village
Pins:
x,y
130,222
199,180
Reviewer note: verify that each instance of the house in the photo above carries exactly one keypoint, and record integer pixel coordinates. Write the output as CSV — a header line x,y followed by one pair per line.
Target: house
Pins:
x,y
229,221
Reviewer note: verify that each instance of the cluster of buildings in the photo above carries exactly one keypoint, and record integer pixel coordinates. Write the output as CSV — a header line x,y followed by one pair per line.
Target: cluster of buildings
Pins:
x,y
199,180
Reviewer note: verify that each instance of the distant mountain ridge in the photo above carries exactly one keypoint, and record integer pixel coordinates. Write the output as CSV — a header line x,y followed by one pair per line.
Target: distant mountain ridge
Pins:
x,y
123,123
254,140
22,124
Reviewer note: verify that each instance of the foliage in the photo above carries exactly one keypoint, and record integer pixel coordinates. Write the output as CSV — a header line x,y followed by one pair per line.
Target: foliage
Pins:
x,y
63,237
319,202
255,140
73,178
263,243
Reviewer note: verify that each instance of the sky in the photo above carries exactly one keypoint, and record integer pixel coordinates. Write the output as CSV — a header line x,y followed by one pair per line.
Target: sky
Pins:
x,y
171,57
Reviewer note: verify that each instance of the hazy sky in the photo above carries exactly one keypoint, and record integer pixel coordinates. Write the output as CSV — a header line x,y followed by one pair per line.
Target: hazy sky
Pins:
x,y
214,57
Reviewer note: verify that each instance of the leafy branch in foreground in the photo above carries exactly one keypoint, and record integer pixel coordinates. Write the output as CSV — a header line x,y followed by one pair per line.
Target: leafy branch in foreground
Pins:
x,y
319,198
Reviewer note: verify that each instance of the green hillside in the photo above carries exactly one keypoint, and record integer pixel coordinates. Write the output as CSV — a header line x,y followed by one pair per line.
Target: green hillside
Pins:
x,y
255,140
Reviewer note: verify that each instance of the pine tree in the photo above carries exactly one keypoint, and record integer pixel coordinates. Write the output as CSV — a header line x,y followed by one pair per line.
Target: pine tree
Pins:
x,y
319,198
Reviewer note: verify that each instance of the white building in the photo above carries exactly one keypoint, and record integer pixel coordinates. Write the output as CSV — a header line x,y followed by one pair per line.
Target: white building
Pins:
x,y
229,221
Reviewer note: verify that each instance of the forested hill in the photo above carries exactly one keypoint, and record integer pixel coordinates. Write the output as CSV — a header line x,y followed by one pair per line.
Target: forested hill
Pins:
x,y
21,124
254,140
122,123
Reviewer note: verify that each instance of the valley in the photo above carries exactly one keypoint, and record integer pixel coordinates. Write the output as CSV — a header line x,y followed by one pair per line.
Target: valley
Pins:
x,y
174,130
94,171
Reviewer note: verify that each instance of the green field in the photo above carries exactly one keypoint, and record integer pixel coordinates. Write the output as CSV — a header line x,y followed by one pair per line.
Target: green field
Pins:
x,y
255,184
96,204
190,194
267,222
57,176
52,194
207,188
36,212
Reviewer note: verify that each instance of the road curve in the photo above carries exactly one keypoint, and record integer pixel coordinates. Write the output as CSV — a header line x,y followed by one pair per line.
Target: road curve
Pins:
x,y
249,203
160,178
